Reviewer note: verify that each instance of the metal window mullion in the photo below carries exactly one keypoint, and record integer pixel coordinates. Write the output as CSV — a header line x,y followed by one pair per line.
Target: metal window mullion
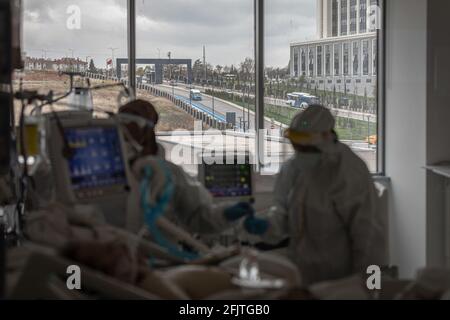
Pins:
x,y
381,92
131,20
259,82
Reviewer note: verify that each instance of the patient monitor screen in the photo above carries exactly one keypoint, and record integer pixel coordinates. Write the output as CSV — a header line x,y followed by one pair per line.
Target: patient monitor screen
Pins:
x,y
228,180
97,162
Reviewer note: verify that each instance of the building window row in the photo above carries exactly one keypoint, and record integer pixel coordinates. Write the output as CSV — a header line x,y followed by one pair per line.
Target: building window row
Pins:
x,y
343,17
354,58
353,16
334,18
363,17
349,17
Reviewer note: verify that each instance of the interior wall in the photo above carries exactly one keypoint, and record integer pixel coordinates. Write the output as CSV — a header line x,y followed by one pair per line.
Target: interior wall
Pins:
x,y
438,125
438,111
406,94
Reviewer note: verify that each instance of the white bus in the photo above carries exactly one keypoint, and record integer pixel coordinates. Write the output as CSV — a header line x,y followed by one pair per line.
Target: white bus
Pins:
x,y
301,100
195,95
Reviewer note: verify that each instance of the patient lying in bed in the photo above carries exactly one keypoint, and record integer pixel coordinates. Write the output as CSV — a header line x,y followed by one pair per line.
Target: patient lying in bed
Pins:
x,y
85,238
180,282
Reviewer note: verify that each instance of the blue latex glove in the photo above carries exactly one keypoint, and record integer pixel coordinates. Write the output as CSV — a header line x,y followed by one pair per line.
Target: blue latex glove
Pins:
x,y
239,211
256,226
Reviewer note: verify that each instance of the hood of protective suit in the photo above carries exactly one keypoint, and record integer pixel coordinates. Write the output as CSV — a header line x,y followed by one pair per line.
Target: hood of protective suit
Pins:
x,y
308,127
314,119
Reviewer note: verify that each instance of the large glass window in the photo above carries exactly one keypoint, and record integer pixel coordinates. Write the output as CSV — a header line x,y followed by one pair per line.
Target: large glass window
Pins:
x,y
362,16
337,59
352,98
203,55
374,57
373,12
353,16
334,17
319,61
355,58
73,36
183,47
296,57
311,62
365,57
346,57
344,17
328,60
303,63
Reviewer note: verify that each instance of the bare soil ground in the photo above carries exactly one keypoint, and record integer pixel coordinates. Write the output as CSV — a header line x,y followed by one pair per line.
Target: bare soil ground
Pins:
x,y
171,117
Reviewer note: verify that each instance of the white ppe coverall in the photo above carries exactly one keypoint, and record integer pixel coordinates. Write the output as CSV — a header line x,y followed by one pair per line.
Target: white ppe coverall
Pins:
x,y
191,205
329,211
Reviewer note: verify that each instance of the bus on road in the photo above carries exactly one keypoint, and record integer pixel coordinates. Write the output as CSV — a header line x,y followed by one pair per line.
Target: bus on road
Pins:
x,y
195,95
301,100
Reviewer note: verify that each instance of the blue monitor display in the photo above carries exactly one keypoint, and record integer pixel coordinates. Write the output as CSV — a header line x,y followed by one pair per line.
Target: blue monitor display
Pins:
x,y
97,159
229,180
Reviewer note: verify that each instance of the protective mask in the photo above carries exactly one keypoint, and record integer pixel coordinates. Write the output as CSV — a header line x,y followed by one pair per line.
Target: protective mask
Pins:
x,y
326,146
307,161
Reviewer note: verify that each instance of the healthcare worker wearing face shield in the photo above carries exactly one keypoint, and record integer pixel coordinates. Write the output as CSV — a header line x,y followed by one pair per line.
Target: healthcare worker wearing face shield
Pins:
x,y
325,202
189,204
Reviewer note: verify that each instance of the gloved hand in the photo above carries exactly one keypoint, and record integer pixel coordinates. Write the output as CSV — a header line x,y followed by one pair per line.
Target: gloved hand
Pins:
x,y
256,226
239,211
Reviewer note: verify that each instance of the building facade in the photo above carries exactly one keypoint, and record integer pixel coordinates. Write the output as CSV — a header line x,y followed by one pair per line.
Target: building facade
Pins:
x,y
63,64
344,55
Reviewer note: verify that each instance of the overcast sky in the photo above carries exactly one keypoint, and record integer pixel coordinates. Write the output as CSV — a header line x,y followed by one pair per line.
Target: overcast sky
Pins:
x,y
179,26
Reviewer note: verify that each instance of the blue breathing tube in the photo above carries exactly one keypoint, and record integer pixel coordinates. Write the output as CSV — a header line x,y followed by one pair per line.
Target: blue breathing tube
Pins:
x,y
153,211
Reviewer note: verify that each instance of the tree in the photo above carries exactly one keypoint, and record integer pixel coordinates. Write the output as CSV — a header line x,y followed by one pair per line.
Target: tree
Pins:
x,y
302,81
92,67
209,72
247,68
140,72
365,99
355,97
198,70
218,72
334,96
277,95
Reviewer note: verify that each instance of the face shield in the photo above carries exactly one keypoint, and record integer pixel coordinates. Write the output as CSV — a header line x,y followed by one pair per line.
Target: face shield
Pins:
x,y
135,129
311,134
304,138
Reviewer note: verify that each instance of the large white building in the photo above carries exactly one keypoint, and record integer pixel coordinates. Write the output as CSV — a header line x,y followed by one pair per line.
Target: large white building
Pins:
x,y
343,57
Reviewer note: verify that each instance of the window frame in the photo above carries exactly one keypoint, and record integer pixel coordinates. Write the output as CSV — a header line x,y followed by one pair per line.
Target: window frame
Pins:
x,y
381,91
259,34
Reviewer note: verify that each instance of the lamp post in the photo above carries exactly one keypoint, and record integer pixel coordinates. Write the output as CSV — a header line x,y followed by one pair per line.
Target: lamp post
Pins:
x,y
87,64
243,112
71,61
169,55
190,93
112,58
214,113
248,106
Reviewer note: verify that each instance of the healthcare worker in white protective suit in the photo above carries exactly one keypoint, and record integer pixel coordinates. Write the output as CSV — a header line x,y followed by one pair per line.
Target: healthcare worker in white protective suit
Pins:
x,y
326,203
190,205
